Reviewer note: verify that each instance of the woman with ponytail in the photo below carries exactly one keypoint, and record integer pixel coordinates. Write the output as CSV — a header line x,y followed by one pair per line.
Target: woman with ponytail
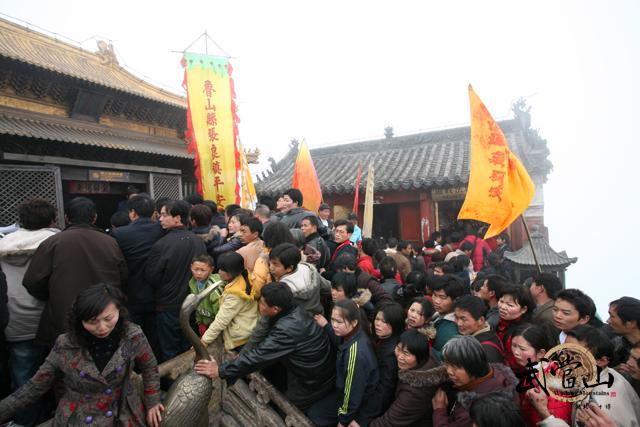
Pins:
x,y
238,311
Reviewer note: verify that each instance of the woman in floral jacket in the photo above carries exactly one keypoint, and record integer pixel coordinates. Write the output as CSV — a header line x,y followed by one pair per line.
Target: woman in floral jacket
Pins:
x,y
94,362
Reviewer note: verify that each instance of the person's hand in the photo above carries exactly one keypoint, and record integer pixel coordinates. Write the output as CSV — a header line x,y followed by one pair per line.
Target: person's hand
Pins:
x,y
207,368
224,232
320,320
154,415
353,423
628,368
593,416
539,401
440,400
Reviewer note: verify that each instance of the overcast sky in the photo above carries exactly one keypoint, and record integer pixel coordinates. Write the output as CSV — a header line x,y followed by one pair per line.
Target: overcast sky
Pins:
x,y
335,71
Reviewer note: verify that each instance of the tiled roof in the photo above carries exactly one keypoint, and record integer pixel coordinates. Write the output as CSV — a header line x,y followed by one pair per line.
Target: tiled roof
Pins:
x,y
547,257
24,45
411,162
40,126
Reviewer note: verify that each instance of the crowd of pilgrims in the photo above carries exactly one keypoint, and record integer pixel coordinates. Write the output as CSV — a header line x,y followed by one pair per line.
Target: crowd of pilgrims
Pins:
x,y
355,331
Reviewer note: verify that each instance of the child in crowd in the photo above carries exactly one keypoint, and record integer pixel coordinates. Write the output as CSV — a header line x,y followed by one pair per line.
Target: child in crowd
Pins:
x,y
529,344
445,292
202,277
238,311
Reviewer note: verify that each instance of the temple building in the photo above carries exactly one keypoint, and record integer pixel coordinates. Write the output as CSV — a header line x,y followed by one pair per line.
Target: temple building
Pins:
x,y
420,179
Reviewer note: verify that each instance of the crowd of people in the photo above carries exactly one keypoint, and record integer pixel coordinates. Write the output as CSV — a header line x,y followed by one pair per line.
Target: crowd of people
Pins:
x,y
354,331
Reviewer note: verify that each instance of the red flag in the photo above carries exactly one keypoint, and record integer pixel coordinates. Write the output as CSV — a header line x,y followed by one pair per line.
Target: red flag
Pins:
x,y
355,198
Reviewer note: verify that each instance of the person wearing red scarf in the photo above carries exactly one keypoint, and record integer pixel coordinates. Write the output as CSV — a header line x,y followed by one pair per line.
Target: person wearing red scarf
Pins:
x,y
515,307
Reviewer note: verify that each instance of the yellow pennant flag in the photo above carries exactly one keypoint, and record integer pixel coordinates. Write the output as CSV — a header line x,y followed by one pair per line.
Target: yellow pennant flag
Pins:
x,y
248,196
500,188
367,227
212,127
306,180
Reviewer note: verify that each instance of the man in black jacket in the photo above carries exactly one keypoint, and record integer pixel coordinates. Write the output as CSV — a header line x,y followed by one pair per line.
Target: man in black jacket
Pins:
x,y
168,272
135,241
309,227
295,340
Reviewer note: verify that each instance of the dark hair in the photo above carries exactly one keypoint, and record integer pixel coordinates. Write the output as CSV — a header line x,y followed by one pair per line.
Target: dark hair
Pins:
x,y
466,246
278,294
81,210
430,244
35,214
346,281
415,343
581,301
295,195
194,199
403,244
350,311
427,307
313,220
88,304
276,234
369,246
119,219
287,253
484,411
344,222
496,283
493,260
201,214
550,282
132,189
379,255
141,204
451,285
393,314
231,209
521,296
233,263
417,280
535,335
268,202
205,259
345,261
388,267
473,305
628,309
435,235
214,208
392,242
352,216
460,263
162,201
178,207
262,210
467,353
504,236
446,267
253,223
596,341
456,237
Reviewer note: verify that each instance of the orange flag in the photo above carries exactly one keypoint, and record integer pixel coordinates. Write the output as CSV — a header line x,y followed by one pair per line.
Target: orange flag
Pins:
x,y
500,188
305,179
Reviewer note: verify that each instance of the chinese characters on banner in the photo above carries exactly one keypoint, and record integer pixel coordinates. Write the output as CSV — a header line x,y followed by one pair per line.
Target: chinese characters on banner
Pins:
x,y
500,188
212,131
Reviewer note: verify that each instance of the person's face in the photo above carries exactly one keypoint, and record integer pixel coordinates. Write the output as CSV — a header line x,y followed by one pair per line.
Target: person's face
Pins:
x,y
407,250
535,289
442,302
499,241
278,270
280,204
167,221
307,228
415,317
437,271
509,309
324,214
406,359
341,234
234,225
246,235
485,293
201,270
524,352
617,324
341,326
565,315
102,325
227,277
383,329
267,310
337,294
634,358
288,204
467,325
458,376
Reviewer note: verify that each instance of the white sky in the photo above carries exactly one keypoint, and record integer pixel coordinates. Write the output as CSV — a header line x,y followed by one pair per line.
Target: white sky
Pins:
x,y
335,71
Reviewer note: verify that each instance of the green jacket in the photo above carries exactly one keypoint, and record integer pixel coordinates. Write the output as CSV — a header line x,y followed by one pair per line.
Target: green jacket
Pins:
x,y
208,308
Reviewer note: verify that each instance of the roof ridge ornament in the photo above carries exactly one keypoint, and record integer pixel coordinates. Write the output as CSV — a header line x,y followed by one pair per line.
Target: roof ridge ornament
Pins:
x,y
106,53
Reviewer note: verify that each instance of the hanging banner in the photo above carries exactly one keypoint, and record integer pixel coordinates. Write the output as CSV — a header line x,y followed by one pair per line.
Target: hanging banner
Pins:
x,y
212,128
367,227
248,196
306,179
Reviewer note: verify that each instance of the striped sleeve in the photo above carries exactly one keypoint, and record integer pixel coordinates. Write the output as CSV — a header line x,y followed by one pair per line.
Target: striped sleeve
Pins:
x,y
351,366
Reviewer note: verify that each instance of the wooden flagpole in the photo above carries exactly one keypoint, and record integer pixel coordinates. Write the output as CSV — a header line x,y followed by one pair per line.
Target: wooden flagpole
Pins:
x,y
533,251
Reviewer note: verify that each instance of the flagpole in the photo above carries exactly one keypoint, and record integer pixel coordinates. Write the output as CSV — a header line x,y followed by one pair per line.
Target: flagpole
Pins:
x,y
533,251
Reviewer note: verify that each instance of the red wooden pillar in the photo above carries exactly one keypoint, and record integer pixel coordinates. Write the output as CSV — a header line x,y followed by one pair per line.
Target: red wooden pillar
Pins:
x,y
427,216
